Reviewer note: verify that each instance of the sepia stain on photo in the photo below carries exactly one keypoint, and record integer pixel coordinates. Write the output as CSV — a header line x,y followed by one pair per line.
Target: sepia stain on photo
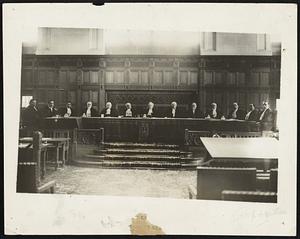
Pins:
x,y
141,226
172,114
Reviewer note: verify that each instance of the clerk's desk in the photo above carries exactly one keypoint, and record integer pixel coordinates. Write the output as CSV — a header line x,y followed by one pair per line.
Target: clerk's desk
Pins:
x,y
259,152
132,129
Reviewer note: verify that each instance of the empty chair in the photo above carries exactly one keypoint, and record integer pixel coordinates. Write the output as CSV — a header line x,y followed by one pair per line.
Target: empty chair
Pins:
x,y
211,181
249,196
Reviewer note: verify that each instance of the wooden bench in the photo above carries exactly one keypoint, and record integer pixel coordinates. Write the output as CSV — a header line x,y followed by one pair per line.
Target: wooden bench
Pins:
x,y
211,181
28,175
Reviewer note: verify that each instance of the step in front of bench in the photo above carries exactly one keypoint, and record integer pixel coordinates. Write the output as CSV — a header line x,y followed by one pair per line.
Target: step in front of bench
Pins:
x,y
139,145
136,164
140,151
137,157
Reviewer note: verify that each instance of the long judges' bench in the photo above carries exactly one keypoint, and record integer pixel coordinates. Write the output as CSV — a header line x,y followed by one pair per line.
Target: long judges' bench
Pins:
x,y
162,130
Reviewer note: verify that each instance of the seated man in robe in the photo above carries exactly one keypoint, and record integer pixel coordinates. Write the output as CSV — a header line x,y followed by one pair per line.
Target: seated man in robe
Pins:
x,y
89,111
266,117
108,111
173,111
236,112
213,112
194,112
128,111
31,116
67,111
252,114
150,112
50,110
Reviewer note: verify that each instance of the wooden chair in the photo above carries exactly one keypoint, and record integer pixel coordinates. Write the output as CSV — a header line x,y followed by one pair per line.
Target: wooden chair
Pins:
x,y
28,176
249,196
211,181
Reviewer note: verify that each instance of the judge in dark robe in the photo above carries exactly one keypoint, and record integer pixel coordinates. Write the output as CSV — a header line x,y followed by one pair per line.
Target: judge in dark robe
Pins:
x,y
236,112
150,112
213,112
108,111
67,111
50,110
252,114
128,110
173,111
31,115
194,112
266,117
89,111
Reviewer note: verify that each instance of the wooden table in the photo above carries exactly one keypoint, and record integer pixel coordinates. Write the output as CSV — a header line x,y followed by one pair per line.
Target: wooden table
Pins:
x,y
58,143
259,151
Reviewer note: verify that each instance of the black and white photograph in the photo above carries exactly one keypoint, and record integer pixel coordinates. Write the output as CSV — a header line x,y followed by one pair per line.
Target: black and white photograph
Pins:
x,y
150,113
180,114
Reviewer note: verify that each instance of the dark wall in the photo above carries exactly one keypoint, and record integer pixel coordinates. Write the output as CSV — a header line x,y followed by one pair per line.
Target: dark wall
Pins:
x,y
161,79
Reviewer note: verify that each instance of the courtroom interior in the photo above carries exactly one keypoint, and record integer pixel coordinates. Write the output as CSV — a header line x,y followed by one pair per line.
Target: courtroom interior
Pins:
x,y
150,113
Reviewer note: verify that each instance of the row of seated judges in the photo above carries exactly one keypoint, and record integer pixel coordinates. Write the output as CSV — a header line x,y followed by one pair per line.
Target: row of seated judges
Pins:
x,y
32,115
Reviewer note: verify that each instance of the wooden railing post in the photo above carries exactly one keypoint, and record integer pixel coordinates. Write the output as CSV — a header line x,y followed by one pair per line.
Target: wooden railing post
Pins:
x,y
101,137
37,145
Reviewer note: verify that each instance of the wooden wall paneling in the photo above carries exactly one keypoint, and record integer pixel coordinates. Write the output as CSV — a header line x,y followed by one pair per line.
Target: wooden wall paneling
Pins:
x,y
201,88
119,77
232,96
72,77
265,79
208,77
134,77
145,78
184,78
193,78
219,99
254,80
168,78
218,79
85,97
241,79
86,77
242,100
72,97
260,74
63,78
157,81
94,97
102,98
62,98
109,77
209,97
27,77
253,97
231,78
94,77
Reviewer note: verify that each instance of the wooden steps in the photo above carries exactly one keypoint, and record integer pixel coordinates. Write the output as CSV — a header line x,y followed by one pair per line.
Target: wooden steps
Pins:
x,y
140,151
137,155
136,164
139,145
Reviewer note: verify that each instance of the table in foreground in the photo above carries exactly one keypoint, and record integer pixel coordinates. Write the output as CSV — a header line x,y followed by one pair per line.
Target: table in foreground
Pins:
x,y
59,143
256,151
